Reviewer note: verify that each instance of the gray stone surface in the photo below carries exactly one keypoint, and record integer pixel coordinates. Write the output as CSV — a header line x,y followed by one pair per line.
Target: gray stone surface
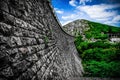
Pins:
x,y
33,45
77,27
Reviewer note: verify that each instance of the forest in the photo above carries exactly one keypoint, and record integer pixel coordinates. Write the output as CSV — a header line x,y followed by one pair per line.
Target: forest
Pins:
x,y
100,58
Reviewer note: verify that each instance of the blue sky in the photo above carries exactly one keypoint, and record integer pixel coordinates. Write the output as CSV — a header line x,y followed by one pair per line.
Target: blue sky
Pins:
x,y
103,11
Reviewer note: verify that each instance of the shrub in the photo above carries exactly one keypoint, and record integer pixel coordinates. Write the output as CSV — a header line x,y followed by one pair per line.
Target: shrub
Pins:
x,y
100,58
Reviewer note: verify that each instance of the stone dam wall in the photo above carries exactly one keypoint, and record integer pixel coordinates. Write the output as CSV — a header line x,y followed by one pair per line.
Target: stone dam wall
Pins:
x,y
33,45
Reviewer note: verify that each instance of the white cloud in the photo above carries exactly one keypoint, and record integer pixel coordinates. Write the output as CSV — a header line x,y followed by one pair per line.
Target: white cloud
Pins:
x,y
59,11
73,2
66,22
113,23
98,11
104,13
116,18
103,19
69,17
84,1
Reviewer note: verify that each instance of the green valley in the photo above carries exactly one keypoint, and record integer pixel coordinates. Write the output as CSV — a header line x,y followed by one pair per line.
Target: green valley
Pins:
x,y
100,56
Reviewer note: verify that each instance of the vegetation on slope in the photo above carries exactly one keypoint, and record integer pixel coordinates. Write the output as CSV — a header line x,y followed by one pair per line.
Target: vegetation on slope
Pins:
x,y
98,30
100,58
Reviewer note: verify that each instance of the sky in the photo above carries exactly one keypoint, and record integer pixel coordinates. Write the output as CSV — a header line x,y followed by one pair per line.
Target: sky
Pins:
x,y
102,11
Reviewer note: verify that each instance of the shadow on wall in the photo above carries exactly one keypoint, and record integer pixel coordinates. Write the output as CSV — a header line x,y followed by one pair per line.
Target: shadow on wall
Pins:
x,y
33,45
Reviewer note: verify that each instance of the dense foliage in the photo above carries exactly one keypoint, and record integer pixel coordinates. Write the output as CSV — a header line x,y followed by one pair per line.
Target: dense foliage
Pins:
x,y
98,30
100,58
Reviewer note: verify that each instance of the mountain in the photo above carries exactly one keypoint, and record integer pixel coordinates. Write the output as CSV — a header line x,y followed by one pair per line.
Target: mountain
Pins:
x,y
98,46
90,30
76,27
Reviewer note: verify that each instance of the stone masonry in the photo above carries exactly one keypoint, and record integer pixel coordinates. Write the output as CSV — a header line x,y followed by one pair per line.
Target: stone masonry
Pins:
x,y
33,45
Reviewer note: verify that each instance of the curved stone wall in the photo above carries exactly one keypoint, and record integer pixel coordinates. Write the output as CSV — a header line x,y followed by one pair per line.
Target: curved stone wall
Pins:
x,y
33,45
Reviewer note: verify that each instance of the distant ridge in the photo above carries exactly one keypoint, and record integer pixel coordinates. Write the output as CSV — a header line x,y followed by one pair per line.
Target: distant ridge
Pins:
x,y
89,30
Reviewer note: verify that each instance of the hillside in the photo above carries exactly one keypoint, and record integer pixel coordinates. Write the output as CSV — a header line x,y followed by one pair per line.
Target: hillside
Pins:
x,y
100,57
76,27
90,30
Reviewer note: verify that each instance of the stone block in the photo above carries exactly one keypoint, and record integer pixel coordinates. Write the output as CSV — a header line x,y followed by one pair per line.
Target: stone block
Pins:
x,y
24,52
6,72
32,58
5,29
21,66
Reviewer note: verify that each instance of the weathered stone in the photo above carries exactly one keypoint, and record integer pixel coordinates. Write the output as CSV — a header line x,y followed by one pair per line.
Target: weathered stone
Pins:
x,y
33,45
21,66
32,58
34,68
5,29
38,64
7,72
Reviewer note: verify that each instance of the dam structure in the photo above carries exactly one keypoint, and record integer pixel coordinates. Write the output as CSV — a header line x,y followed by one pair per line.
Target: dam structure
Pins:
x,y
33,46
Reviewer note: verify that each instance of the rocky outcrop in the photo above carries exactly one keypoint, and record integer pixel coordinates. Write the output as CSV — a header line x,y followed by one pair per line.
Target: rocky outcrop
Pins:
x,y
77,27
32,44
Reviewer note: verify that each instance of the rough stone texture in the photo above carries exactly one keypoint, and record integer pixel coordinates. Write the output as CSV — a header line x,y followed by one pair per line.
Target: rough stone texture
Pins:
x,y
32,44
77,27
